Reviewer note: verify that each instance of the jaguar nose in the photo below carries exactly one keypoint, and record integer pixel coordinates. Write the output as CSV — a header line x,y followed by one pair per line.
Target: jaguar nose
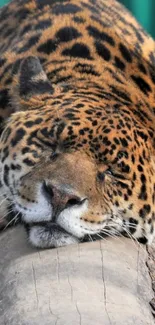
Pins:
x,y
61,199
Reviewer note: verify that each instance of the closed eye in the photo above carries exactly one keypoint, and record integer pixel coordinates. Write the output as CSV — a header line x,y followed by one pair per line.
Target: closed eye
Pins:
x,y
114,174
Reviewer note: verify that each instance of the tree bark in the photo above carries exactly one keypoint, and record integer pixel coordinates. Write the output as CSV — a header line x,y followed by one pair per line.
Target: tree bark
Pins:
x,y
104,282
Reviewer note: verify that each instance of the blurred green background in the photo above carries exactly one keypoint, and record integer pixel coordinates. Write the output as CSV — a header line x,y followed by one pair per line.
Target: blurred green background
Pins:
x,y
143,10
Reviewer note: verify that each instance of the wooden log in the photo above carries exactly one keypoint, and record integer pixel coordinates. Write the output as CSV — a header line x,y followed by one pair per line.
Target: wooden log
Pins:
x,y
104,282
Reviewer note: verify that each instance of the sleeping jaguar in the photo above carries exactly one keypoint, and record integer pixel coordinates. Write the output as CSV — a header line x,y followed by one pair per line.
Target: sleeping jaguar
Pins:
x,y
77,116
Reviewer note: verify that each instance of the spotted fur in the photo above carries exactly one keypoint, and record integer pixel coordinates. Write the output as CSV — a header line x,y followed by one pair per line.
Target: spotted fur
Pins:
x,y
77,121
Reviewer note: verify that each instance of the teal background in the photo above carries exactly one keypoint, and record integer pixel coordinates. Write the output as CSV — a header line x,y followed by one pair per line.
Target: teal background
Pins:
x,y
3,2
143,10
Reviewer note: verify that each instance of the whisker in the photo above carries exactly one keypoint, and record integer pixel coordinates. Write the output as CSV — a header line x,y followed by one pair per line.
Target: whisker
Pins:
x,y
15,218
5,199
5,216
90,237
101,237
134,239
113,233
127,224
131,236
109,234
3,195
124,227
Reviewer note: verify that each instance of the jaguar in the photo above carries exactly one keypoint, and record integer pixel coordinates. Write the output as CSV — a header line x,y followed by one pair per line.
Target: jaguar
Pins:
x,y
77,120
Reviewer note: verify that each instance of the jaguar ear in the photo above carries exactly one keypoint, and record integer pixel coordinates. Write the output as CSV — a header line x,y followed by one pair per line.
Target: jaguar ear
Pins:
x,y
30,85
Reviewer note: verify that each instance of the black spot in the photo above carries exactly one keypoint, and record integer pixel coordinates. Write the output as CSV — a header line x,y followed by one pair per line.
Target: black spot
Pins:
x,y
133,221
116,141
125,169
25,150
152,58
103,51
86,68
30,123
71,116
119,63
81,132
130,207
141,160
94,123
67,34
143,178
2,62
15,167
152,229
5,154
142,135
22,14
43,3
124,142
107,130
143,193
79,105
116,203
66,9
26,29
153,197
142,84
8,81
125,52
126,197
18,137
8,32
140,168
6,175
38,120
94,32
43,24
78,20
106,141
60,129
4,98
142,68
123,185
48,47
78,50
142,240
122,154
144,211
31,42
152,74
55,72
63,79
120,93
28,162
4,13
134,176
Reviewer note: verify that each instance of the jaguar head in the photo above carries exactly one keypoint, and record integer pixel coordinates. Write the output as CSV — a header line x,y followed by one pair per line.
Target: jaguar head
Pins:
x,y
73,165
